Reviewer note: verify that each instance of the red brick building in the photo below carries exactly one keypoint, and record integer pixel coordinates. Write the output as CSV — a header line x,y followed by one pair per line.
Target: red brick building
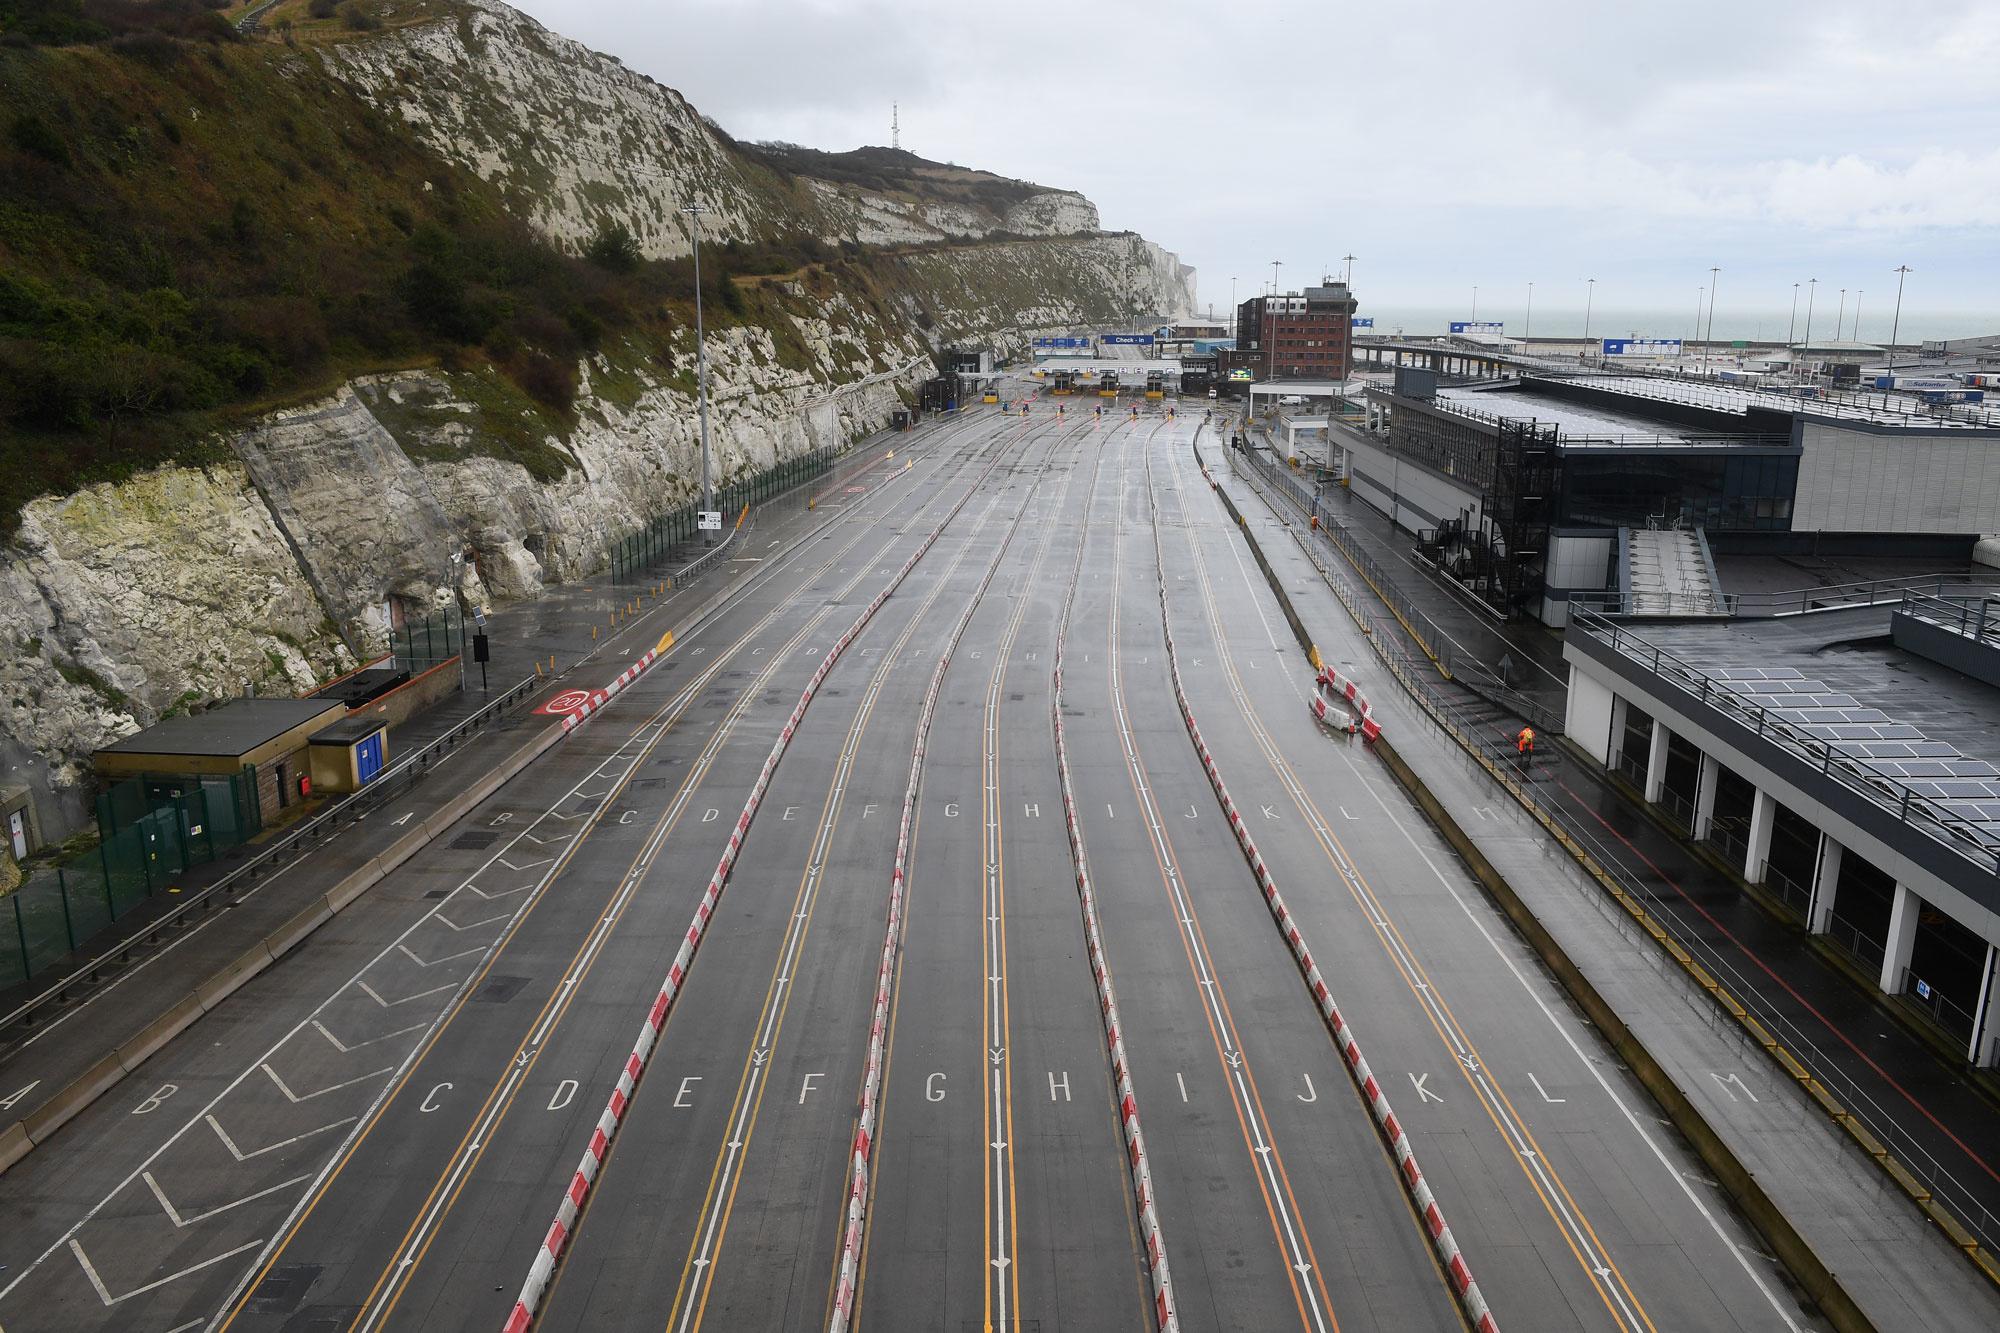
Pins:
x,y
1300,335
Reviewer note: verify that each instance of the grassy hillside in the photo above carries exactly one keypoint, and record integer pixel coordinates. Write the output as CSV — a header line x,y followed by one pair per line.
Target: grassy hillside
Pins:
x,y
195,228
899,174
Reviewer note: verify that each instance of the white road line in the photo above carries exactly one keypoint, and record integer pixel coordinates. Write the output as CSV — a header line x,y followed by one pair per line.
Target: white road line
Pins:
x,y
1568,1038
241,1156
182,1223
104,1293
295,1098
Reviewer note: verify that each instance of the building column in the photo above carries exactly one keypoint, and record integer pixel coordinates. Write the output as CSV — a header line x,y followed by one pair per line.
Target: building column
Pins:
x,y
1656,763
1614,748
1984,1050
1902,938
1826,879
1706,778
1763,813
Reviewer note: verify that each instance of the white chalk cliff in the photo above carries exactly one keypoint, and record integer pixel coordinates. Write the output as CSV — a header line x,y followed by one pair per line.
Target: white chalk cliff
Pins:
x,y
122,602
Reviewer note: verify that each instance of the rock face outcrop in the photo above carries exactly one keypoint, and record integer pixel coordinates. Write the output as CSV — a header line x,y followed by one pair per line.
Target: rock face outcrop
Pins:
x,y
575,139
122,603
125,602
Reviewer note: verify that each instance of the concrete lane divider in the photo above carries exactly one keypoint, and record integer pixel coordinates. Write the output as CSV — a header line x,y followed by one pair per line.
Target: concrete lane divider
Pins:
x,y
105,1074
1741,1184
577,1192
21,1137
1787,1243
847,1282
1443,1243
1166,1315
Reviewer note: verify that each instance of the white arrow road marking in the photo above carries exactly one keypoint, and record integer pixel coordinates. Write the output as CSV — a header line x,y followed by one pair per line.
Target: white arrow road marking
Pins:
x,y
527,866
104,1293
296,1097
183,1223
242,1156
344,1048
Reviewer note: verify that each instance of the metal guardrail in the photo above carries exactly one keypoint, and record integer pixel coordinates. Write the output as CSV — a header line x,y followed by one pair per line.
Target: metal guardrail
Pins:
x,y
1973,617
308,836
1977,843
1497,757
708,559
1470,673
1802,601
1639,887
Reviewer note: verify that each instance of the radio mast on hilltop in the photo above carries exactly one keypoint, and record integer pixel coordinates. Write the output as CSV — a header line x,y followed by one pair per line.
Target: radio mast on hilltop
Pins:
x,y
895,129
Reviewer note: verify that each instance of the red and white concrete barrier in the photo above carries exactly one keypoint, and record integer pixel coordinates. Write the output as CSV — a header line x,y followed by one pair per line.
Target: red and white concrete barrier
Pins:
x,y
585,1175
1443,1243
598,698
1165,1314
1330,688
854,1229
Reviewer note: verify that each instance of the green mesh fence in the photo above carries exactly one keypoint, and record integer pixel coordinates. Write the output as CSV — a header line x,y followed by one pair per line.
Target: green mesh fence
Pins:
x,y
652,542
151,829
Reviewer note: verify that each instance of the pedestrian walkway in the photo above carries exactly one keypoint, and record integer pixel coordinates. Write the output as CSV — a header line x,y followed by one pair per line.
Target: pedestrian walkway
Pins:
x,y
145,966
1939,1118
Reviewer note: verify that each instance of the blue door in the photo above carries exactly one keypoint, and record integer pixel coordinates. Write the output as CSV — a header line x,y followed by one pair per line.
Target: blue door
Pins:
x,y
368,758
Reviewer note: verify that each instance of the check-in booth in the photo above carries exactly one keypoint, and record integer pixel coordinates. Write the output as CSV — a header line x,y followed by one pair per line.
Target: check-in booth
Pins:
x,y
348,755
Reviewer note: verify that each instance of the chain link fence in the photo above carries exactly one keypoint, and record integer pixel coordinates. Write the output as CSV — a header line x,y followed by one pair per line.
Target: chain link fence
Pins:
x,y
647,546
151,829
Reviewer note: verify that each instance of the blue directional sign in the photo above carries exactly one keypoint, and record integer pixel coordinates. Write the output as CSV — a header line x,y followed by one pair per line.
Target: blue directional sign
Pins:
x,y
1477,326
1642,347
1128,339
1364,321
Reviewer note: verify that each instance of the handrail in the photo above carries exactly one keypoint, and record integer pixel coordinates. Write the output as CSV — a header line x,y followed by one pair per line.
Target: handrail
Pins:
x,y
1975,617
701,563
1923,813
318,828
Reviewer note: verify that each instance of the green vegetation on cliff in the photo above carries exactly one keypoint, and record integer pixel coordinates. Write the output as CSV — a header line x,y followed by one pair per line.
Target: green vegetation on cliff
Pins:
x,y
194,229
197,228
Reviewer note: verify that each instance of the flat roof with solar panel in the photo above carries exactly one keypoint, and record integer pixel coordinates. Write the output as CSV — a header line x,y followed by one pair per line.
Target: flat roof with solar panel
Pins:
x,y
1935,770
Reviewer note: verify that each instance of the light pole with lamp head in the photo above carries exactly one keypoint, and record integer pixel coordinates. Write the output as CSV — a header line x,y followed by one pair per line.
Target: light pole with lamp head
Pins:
x,y
694,212
1805,348
1528,327
1589,295
1708,338
1793,326
1895,325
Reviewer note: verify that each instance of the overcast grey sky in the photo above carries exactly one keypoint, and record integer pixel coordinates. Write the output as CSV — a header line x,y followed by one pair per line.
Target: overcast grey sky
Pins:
x,y
1443,144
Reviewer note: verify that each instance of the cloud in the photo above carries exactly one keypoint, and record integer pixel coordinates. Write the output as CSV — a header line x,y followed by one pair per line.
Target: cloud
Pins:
x,y
1441,139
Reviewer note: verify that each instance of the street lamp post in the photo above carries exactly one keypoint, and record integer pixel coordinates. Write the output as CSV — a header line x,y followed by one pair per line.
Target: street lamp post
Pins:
x,y
694,212
1349,278
1589,295
1895,325
1475,304
1840,319
1694,334
1708,339
1528,327
1270,327
1792,327
1805,348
